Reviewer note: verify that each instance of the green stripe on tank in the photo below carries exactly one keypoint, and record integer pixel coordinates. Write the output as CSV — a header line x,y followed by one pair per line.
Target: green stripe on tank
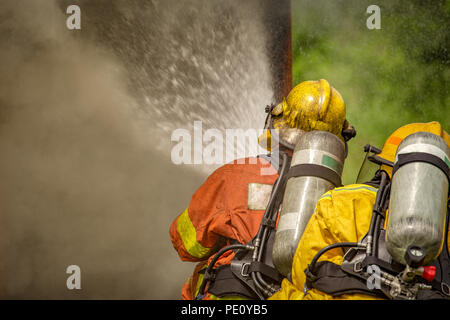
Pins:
x,y
331,163
447,161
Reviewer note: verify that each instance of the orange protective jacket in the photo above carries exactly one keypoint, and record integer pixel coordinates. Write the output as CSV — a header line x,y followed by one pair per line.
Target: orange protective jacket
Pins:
x,y
221,211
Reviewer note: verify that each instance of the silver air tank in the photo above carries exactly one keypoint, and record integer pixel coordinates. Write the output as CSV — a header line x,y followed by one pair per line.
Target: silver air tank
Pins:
x,y
314,150
418,202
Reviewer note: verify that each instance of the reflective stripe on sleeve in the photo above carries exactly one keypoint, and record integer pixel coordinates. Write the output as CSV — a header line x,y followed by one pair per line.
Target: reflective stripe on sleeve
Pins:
x,y
327,195
188,235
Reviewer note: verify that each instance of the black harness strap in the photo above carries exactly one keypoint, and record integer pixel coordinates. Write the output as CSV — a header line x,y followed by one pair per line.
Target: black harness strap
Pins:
x,y
315,170
225,283
406,158
391,267
265,270
331,279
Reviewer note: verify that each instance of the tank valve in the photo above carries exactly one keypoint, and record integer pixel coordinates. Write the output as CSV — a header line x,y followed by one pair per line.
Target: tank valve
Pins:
x,y
414,257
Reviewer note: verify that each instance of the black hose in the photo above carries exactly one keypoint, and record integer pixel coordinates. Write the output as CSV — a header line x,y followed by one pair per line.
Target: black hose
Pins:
x,y
379,221
312,265
277,185
261,237
376,205
269,213
259,278
262,291
201,290
376,208
375,236
386,193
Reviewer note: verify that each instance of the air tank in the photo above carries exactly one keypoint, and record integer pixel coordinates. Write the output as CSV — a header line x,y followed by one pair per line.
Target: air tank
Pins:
x,y
314,149
418,201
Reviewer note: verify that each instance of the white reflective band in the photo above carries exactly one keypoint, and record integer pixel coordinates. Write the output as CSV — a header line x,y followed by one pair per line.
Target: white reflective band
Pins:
x,y
317,157
258,196
423,147
288,221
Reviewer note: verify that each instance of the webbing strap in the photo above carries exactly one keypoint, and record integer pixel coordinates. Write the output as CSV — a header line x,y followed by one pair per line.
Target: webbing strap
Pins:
x,y
406,158
391,267
315,170
331,279
225,283
265,270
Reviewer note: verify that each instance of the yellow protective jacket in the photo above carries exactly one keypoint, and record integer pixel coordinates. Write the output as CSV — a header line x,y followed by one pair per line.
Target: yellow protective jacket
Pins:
x,y
341,215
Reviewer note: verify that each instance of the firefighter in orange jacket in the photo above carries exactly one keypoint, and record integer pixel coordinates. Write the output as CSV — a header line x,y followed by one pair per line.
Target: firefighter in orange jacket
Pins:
x,y
229,206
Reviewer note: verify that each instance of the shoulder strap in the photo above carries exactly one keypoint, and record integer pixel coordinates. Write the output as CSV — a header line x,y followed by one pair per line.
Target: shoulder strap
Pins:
x,y
331,279
406,158
225,283
310,169
235,279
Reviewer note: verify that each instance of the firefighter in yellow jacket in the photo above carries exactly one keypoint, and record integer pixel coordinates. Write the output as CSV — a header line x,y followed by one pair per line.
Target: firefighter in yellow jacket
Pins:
x,y
343,218
228,207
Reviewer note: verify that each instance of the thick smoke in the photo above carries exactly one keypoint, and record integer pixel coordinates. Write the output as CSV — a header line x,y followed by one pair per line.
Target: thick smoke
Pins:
x,y
85,123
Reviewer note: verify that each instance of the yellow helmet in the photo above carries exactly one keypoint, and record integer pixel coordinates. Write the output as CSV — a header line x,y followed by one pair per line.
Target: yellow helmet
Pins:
x,y
391,144
311,105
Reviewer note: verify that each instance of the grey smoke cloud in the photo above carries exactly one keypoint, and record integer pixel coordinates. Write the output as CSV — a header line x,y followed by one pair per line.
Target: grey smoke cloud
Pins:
x,y
85,174
80,183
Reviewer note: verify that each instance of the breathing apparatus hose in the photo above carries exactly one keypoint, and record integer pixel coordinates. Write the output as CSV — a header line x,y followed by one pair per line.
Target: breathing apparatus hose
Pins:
x,y
261,236
312,265
376,212
259,242
269,213
208,272
380,218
